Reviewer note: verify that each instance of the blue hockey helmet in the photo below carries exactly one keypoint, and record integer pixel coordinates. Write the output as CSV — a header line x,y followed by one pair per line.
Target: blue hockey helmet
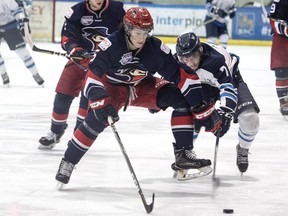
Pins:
x,y
187,44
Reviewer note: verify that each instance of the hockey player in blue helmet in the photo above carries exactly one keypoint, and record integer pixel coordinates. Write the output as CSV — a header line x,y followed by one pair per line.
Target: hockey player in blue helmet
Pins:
x,y
221,81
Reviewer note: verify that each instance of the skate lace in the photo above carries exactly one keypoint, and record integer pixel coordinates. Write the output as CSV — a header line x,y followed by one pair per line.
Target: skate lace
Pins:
x,y
284,107
242,154
51,136
190,154
66,168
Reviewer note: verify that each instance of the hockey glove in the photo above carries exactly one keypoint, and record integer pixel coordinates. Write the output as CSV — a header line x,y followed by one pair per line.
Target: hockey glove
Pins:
x,y
221,13
226,121
103,108
153,111
206,116
21,23
80,56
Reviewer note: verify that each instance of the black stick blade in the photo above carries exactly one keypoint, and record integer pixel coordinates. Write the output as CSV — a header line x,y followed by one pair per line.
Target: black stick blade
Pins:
x,y
149,208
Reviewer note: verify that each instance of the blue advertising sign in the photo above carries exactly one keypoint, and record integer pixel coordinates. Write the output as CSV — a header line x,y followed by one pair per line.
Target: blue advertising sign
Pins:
x,y
251,24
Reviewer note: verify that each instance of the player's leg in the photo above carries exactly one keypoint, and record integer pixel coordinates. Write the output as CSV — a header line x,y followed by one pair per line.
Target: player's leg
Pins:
x,y
211,33
61,106
223,36
68,87
16,43
4,75
281,75
161,95
81,141
82,110
248,119
85,135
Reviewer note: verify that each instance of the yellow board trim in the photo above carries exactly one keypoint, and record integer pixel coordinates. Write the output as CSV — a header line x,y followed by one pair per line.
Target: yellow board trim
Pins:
x,y
231,41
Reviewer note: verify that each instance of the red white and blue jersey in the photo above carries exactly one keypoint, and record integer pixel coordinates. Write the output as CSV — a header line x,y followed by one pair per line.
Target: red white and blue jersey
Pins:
x,y
126,67
279,17
86,28
279,23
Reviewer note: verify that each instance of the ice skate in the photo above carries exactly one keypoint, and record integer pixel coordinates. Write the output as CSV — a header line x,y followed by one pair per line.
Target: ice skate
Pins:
x,y
242,158
284,108
188,166
38,79
64,172
49,141
5,79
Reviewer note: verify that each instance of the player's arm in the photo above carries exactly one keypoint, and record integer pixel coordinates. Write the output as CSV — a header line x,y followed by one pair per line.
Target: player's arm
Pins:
x,y
70,37
279,27
228,98
95,91
19,15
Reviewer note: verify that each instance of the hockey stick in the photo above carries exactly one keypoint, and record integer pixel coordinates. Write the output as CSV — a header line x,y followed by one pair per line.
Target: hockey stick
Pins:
x,y
255,4
148,208
264,9
215,156
36,49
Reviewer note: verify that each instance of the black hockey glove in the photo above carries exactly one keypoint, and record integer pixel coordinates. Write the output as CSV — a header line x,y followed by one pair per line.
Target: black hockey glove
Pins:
x,y
226,121
21,23
221,13
206,116
153,111
103,108
80,56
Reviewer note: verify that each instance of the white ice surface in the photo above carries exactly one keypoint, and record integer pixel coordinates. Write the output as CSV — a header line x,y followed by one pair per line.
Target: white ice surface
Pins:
x,y
102,185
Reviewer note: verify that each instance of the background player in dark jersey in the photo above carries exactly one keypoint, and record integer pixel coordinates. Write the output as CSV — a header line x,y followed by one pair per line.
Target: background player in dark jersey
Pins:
x,y
121,75
221,80
279,52
87,23
219,10
11,24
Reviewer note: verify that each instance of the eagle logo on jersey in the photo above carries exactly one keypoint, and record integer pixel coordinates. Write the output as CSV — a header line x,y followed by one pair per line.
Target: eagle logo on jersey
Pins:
x,y
95,35
132,73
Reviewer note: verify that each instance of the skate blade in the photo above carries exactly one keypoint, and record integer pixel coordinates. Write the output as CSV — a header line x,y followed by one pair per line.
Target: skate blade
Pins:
x,y
59,186
49,147
187,174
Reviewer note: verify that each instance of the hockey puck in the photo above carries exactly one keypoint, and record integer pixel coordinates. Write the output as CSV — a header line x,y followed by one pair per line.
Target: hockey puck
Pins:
x,y
228,211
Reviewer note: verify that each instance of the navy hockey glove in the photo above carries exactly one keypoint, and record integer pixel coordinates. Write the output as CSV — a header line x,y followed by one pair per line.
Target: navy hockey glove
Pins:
x,y
226,121
21,23
206,116
80,56
221,13
103,108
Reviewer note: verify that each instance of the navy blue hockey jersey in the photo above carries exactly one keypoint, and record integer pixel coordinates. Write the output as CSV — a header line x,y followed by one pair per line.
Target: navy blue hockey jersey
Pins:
x,y
86,28
154,57
219,74
279,10
126,67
